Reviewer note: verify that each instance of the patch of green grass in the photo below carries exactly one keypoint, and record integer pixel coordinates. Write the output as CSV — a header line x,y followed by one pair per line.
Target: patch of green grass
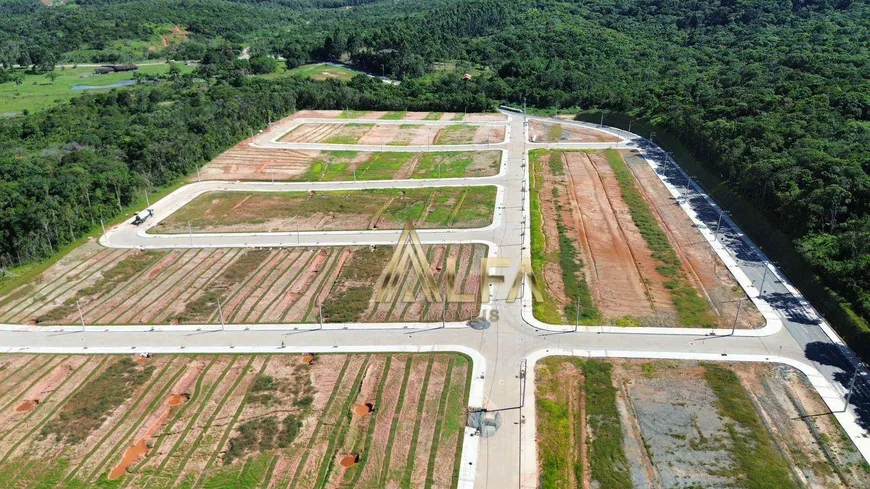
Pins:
x,y
348,305
456,134
352,114
394,116
554,426
607,462
692,309
555,132
760,465
86,410
433,116
322,72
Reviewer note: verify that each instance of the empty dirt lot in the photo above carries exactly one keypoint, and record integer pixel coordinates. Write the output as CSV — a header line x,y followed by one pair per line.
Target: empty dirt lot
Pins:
x,y
253,286
245,162
550,132
668,424
393,134
274,421
637,256
431,207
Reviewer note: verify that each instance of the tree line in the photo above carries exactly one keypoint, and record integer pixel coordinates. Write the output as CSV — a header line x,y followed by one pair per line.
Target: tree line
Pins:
x,y
773,95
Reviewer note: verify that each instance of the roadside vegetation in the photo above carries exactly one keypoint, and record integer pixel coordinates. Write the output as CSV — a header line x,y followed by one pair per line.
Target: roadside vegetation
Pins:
x,y
567,258
760,465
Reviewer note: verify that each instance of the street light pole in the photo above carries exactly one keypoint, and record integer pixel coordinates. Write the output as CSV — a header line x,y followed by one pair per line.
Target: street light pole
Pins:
x,y
737,316
190,233
320,313
577,319
851,389
763,278
718,224
444,311
220,313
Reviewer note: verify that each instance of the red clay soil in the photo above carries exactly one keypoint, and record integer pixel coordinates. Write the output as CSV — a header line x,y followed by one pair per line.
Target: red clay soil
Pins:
x,y
26,406
363,409
618,262
348,461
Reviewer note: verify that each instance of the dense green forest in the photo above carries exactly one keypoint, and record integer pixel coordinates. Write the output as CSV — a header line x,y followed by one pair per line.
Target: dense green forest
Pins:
x,y
773,95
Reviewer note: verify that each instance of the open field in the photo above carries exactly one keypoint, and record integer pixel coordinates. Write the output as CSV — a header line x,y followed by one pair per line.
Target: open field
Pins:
x,y
315,71
394,134
113,286
216,421
37,92
244,162
623,252
669,425
548,132
427,208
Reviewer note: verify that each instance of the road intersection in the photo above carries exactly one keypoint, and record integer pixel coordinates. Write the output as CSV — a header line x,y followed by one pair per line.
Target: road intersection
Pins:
x,y
504,352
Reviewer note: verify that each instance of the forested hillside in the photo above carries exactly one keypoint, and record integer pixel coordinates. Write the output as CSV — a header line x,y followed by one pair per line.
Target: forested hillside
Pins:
x,y
774,95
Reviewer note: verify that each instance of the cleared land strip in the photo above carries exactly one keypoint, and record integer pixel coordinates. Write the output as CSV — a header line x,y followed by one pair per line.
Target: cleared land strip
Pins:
x,y
611,249
253,286
686,424
427,208
406,134
246,162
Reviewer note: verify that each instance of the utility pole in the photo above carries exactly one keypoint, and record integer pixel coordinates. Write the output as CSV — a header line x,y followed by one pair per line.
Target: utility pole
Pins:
x,y
190,233
737,316
81,316
354,172
629,125
297,233
320,312
601,124
220,313
198,176
147,202
103,225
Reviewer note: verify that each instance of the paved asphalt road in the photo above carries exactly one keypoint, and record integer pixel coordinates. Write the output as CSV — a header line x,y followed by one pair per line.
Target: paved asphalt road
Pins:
x,y
506,345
